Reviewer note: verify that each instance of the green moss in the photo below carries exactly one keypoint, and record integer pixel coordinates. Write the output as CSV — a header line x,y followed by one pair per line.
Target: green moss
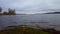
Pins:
x,y
24,30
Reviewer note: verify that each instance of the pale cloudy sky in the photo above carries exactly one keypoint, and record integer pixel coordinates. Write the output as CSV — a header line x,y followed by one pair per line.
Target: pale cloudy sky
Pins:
x,y
30,6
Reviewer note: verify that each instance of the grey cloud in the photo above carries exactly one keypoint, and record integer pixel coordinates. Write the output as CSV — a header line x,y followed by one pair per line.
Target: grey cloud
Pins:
x,y
30,5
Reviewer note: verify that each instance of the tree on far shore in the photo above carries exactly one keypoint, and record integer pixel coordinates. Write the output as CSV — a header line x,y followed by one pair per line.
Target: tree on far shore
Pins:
x,y
5,13
11,11
0,10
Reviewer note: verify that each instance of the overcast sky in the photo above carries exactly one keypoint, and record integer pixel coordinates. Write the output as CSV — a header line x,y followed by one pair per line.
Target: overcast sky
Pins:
x,y
30,6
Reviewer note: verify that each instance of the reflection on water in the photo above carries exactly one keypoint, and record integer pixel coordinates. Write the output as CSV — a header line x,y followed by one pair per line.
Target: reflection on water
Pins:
x,y
42,20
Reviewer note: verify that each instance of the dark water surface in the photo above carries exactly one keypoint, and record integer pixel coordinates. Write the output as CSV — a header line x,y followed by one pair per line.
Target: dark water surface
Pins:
x,y
42,20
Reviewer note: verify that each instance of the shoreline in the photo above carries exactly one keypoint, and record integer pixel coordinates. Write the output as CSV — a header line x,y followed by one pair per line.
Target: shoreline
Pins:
x,y
48,30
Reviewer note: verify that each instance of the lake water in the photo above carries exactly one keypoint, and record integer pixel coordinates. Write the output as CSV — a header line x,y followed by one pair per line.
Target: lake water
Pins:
x,y
42,20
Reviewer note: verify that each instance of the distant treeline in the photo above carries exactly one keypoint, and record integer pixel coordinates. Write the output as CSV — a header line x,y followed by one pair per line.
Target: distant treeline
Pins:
x,y
9,12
